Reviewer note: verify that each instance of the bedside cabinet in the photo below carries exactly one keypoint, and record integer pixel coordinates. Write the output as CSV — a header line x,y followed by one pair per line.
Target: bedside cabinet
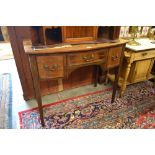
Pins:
x,y
137,64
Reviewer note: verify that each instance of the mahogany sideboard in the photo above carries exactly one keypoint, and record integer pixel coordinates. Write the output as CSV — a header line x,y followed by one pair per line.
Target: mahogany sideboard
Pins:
x,y
59,61
34,33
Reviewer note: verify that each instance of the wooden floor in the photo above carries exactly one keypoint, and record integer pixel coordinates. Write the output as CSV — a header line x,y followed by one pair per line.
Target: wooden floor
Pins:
x,y
5,51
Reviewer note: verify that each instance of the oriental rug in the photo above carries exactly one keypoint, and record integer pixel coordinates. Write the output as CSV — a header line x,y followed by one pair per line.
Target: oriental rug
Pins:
x,y
136,109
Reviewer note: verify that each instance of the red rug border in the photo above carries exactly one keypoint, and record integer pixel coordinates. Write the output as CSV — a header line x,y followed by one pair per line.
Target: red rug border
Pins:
x,y
58,102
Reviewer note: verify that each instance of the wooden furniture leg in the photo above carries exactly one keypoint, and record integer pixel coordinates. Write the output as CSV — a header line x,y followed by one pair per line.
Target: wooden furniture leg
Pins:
x,y
106,77
123,87
151,66
96,72
149,71
36,84
115,84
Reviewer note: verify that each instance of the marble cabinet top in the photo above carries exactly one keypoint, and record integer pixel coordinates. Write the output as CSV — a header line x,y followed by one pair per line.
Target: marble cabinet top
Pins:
x,y
145,45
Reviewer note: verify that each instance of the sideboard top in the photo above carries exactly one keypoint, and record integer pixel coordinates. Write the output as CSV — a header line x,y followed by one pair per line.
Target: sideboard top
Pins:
x,y
65,48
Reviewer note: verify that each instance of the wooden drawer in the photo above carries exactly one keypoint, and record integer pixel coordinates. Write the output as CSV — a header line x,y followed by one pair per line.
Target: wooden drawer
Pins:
x,y
50,66
144,55
87,57
114,56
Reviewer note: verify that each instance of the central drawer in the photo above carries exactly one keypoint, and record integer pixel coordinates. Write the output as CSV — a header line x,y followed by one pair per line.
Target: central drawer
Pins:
x,y
51,66
86,57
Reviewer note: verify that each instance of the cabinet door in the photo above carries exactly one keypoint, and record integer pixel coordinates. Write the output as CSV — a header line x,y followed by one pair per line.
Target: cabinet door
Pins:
x,y
138,72
79,33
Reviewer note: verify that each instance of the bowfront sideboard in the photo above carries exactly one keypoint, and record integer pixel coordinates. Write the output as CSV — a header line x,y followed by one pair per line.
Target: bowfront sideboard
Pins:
x,y
59,61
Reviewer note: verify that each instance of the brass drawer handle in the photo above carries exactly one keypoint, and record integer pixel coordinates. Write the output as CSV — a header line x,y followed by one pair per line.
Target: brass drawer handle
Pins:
x,y
88,58
54,67
114,58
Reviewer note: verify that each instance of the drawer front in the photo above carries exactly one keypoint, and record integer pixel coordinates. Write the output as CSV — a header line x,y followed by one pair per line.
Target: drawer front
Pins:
x,y
50,66
87,57
144,55
114,56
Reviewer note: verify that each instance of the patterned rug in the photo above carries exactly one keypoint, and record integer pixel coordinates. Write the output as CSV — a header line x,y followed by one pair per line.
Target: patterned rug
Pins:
x,y
136,109
5,101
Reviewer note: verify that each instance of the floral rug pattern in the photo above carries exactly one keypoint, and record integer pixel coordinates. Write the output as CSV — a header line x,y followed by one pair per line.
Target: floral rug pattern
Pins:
x,y
136,109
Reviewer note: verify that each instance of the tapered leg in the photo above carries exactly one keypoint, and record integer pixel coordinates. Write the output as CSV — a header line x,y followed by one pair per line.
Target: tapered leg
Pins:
x,y
115,84
39,101
106,78
123,87
96,72
36,84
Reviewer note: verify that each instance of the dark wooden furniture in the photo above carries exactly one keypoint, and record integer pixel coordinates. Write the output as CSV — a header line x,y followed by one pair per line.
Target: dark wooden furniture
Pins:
x,y
79,33
19,33
50,35
1,35
59,61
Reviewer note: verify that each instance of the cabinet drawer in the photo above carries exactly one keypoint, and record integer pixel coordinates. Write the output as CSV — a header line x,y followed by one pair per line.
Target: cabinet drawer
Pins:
x,y
50,66
144,55
87,57
114,56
